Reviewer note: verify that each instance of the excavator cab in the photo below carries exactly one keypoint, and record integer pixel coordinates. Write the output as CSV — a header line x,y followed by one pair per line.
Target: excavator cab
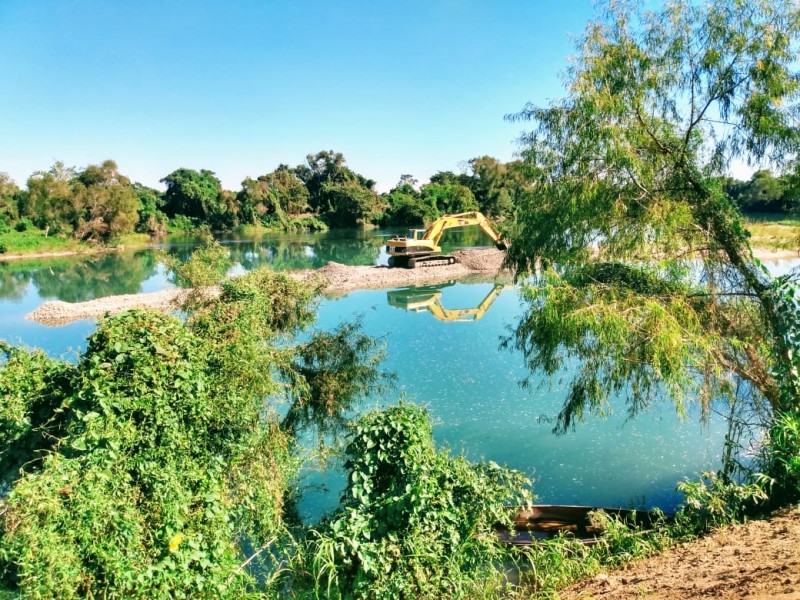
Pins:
x,y
415,234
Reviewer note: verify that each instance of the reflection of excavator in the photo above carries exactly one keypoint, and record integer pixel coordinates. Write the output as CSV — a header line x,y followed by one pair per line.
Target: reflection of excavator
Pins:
x,y
418,299
420,247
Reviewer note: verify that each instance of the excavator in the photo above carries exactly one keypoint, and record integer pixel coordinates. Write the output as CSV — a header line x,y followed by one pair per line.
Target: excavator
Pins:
x,y
420,247
429,298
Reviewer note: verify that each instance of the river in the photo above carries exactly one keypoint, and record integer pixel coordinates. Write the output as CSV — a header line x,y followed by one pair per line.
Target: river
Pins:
x,y
455,367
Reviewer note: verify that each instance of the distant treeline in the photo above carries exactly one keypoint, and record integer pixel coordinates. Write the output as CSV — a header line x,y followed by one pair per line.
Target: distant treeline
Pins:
x,y
99,203
765,193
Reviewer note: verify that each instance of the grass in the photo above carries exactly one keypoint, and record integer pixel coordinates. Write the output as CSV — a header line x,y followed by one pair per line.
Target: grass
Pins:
x,y
34,242
783,234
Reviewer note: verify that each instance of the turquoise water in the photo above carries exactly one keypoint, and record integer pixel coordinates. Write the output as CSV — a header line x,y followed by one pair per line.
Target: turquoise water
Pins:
x,y
471,387
456,368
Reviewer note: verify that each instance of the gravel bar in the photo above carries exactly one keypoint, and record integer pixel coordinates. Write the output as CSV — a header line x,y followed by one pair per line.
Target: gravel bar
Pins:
x,y
340,279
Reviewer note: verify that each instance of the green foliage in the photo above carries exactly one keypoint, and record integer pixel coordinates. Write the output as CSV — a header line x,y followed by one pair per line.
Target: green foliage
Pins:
x,y
763,193
34,389
9,196
645,334
414,521
272,197
156,466
350,204
151,219
330,373
151,480
714,501
108,204
24,224
407,207
97,204
306,223
33,241
341,197
193,194
183,223
781,459
207,266
448,198
627,169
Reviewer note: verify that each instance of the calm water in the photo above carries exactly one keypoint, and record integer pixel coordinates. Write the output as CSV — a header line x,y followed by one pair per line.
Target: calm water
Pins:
x,y
456,368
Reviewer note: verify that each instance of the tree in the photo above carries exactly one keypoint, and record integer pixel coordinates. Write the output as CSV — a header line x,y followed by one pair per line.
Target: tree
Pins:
x,y
407,207
763,193
194,194
648,275
51,202
449,197
490,186
106,203
9,192
151,218
274,195
157,464
330,182
350,204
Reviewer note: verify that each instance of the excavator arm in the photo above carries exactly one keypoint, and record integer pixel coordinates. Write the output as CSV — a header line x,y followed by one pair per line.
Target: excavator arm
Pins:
x,y
438,227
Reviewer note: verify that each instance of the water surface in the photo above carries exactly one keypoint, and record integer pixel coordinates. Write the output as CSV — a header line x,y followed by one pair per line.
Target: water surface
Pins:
x,y
455,367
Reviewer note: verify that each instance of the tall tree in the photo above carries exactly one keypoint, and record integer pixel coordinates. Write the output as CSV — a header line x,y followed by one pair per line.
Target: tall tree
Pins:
x,y
650,280
106,201
449,197
273,195
51,203
191,193
9,191
337,193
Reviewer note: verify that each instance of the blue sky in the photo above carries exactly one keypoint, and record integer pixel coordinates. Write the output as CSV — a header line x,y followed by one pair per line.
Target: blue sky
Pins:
x,y
239,87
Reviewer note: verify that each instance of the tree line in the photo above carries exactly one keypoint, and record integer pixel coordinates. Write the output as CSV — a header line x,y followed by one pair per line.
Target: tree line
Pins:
x,y
98,204
765,192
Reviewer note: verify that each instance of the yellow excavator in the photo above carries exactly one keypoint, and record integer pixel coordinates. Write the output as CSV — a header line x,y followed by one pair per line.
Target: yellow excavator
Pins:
x,y
429,298
420,247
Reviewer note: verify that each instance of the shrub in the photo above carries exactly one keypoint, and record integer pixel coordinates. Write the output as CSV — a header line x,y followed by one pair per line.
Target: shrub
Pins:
x,y
413,521
715,500
157,472
782,458
24,224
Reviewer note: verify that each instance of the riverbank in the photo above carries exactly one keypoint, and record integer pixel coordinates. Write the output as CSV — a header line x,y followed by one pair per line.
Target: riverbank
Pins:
x,y
757,560
15,246
338,278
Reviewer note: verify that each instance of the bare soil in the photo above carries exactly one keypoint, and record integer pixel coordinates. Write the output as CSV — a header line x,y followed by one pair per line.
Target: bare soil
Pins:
x,y
485,263
758,560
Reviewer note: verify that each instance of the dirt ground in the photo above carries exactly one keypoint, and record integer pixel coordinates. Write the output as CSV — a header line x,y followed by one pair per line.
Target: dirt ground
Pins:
x,y
759,560
485,263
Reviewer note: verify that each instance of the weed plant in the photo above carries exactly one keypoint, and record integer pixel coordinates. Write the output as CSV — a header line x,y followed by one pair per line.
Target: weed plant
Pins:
x,y
413,522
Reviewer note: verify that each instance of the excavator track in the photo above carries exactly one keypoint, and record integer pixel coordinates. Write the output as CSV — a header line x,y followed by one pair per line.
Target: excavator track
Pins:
x,y
430,261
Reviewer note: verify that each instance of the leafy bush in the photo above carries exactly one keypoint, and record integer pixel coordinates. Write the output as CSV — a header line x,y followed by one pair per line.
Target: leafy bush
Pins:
x,y
152,478
782,459
182,223
714,500
413,521
157,466
306,223
24,224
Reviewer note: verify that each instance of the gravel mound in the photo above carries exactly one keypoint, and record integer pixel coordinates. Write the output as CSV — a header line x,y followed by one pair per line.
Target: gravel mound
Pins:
x,y
57,312
337,278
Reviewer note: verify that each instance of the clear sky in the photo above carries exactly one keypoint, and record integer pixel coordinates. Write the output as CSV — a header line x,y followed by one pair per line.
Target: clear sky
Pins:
x,y
239,87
